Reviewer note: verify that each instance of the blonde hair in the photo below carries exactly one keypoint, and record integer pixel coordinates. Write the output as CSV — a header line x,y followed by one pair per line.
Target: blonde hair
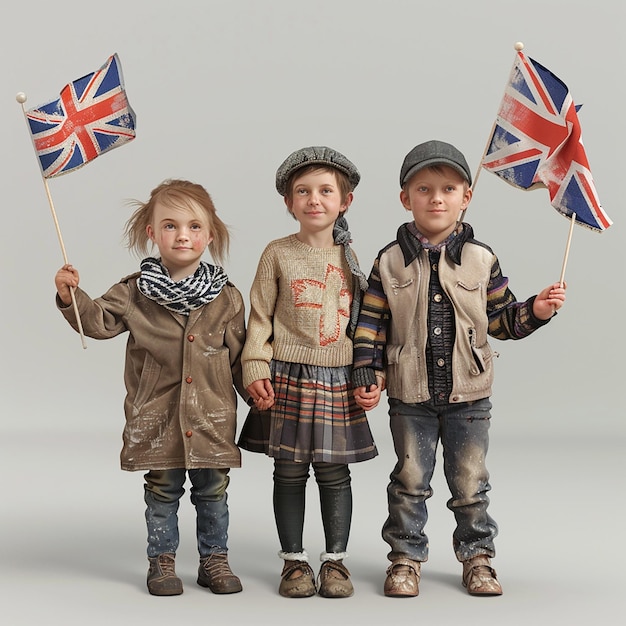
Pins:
x,y
180,194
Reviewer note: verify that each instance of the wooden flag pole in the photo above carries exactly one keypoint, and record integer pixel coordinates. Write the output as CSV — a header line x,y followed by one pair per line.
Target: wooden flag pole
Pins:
x,y
21,98
567,247
518,46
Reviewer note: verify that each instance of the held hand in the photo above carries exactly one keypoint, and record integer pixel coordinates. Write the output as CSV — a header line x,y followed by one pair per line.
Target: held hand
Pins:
x,y
66,278
262,392
367,400
549,301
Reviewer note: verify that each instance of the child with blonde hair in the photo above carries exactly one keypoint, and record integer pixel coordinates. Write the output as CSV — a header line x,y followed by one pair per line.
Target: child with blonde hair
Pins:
x,y
186,330
435,296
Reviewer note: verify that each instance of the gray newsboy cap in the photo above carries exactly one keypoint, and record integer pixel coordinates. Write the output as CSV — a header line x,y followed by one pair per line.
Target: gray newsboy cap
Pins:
x,y
315,155
434,153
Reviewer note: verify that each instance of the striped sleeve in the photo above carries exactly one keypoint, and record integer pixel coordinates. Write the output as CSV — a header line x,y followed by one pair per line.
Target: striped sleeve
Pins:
x,y
508,319
370,336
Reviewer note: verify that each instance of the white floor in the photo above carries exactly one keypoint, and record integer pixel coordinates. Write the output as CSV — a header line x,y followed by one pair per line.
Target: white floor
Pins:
x,y
73,542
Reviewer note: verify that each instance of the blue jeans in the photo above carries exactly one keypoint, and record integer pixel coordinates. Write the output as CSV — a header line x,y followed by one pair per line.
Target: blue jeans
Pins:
x,y
162,493
416,430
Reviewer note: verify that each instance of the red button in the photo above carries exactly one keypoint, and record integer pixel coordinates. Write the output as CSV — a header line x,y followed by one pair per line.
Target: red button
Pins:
x,y
190,337
188,433
189,379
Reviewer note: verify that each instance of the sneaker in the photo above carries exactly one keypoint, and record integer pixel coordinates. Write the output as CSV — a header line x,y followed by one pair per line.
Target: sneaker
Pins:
x,y
297,580
403,576
162,579
334,580
215,573
480,578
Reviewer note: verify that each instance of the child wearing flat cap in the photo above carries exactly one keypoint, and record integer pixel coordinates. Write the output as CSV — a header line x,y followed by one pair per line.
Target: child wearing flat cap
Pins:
x,y
304,303
435,294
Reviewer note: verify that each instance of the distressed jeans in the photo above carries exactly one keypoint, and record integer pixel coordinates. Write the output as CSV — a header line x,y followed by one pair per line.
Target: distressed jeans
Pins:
x,y
416,430
162,492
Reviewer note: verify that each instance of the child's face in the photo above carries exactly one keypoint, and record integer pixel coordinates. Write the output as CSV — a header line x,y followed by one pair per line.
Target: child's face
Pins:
x,y
436,199
316,201
182,236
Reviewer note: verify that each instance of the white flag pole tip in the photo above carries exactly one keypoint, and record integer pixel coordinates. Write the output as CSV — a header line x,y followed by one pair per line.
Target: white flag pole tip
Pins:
x,y
20,97
519,46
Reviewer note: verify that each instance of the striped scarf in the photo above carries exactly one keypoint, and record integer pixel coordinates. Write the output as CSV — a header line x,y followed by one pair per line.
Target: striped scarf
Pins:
x,y
190,293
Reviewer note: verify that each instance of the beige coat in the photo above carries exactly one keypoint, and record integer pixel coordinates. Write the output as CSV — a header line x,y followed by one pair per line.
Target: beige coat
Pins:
x,y
180,375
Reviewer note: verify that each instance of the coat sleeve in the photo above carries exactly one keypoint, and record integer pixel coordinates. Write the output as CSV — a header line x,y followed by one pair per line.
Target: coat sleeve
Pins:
x,y
102,318
234,338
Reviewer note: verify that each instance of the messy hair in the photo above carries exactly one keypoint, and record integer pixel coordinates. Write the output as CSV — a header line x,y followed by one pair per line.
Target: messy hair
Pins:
x,y
180,194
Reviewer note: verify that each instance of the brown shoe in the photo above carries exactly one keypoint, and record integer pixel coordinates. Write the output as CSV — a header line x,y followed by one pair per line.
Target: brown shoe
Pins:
x,y
162,579
403,577
334,580
297,580
480,578
215,573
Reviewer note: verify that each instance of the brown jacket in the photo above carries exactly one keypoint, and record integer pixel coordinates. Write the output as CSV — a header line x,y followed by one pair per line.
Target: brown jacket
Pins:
x,y
180,375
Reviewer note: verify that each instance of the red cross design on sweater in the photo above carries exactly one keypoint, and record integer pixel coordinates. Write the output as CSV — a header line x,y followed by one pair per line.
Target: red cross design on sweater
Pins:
x,y
331,297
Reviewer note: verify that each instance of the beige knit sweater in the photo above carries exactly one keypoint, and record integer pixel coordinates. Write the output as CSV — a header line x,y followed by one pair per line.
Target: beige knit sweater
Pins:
x,y
299,308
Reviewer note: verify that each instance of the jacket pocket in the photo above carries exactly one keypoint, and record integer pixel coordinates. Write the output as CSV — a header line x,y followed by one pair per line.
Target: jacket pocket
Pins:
x,y
402,368
482,354
150,373
396,285
393,354
219,373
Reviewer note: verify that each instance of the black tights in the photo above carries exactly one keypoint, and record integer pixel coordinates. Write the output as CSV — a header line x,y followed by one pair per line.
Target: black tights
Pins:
x,y
333,481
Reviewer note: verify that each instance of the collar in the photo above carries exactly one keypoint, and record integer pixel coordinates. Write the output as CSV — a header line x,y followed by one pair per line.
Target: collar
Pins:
x,y
411,246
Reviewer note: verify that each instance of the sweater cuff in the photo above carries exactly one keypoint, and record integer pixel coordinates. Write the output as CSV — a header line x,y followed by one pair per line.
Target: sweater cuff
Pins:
x,y
363,377
255,370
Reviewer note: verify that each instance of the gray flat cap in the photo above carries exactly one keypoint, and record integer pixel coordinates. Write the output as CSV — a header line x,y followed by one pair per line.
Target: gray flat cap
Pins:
x,y
315,155
434,153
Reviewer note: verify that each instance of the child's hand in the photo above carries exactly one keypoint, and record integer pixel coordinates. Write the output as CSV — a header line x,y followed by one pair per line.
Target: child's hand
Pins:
x,y
66,278
369,399
262,392
549,301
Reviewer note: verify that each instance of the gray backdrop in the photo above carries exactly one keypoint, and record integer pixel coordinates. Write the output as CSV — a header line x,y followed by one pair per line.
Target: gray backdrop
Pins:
x,y
223,92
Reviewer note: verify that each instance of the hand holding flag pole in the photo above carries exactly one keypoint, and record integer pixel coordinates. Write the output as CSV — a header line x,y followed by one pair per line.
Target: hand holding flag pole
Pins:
x,y
536,142
21,98
91,116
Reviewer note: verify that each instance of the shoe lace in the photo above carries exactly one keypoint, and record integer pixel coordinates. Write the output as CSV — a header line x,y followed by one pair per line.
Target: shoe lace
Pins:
x,y
166,565
217,565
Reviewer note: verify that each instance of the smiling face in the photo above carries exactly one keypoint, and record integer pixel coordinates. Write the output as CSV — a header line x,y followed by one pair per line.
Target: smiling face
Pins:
x,y
436,197
316,201
181,235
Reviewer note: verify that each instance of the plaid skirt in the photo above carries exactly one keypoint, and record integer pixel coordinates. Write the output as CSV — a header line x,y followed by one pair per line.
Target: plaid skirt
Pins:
x,y
314,418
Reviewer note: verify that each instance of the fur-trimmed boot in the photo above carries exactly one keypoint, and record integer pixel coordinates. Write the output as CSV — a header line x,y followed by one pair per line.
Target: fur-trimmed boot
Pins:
x,y
297,578
333,580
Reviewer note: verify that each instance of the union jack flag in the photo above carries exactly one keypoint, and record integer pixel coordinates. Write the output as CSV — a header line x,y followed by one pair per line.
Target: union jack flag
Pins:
x,y
537,142
91,117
